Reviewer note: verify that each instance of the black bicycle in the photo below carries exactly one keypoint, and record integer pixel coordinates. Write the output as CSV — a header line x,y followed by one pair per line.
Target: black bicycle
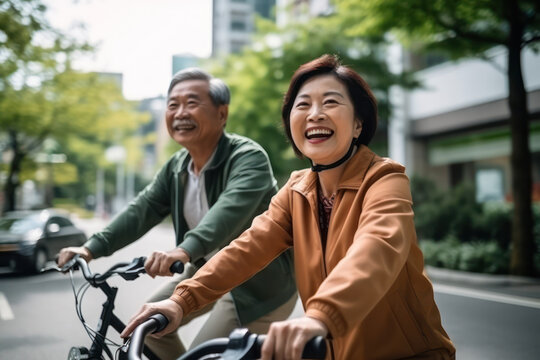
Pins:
x,y
100,343
240,345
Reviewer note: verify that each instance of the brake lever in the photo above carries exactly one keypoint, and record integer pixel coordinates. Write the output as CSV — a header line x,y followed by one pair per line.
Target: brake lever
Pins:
x,y
50,268
132,270
71,264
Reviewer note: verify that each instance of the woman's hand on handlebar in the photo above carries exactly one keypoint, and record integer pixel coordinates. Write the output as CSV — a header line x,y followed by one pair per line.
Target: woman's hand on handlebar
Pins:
x,y
159,262
286,339
68,253
172,311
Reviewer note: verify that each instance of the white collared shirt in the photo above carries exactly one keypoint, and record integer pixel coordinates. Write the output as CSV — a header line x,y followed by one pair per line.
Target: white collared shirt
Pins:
x,y
195,200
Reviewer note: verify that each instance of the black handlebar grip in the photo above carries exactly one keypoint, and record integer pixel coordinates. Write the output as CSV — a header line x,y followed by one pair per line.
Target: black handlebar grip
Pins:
x,y
315,349
177,267
161,320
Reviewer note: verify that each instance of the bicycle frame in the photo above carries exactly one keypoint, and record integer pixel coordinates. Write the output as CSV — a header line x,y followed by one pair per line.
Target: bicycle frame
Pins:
x,y
128,271
107,319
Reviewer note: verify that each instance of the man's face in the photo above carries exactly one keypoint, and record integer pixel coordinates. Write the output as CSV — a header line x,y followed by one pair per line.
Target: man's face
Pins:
x,y
192,119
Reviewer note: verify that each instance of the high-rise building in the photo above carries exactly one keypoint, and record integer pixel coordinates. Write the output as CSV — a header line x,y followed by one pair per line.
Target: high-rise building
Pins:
x,y
180,62
301,10
117,78
233,23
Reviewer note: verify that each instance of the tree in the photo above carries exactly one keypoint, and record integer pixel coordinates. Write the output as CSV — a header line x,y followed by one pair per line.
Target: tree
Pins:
x,y
42,97
259,77
468,28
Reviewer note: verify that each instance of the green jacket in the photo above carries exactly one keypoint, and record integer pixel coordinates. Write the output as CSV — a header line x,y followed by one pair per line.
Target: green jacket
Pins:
x,y
239,185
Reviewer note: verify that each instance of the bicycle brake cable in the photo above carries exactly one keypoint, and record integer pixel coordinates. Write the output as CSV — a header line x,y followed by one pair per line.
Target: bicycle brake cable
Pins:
x,y
92,333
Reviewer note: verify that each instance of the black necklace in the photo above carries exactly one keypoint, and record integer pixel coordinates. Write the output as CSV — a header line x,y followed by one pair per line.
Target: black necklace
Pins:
x,y
319,168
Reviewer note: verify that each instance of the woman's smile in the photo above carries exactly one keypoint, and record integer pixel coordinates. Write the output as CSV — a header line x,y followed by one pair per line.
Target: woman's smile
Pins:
x,y
318,134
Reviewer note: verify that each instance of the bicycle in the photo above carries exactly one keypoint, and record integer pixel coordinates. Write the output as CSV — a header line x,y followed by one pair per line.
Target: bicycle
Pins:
x,y
240,345
100,343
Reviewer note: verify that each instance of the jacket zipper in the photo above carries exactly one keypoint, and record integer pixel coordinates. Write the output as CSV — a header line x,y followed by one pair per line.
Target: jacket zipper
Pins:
x,y
330,341
325,273
175,221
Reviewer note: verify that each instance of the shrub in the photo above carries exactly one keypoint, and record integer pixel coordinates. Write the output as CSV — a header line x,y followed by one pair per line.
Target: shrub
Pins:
x,y
485,257
443,254
455,232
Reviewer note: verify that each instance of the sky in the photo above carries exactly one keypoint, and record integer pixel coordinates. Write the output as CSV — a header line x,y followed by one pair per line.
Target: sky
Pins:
x,y
136,37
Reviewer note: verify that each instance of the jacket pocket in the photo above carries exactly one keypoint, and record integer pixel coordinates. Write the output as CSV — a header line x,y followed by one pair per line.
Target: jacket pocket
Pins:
x,y
407,322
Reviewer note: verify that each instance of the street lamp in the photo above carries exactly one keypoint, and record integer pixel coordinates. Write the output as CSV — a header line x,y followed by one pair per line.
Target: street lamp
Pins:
x,y
117,155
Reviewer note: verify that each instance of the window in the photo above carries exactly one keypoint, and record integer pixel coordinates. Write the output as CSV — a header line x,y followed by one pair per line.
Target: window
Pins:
x,y
489,185
238,25
62,222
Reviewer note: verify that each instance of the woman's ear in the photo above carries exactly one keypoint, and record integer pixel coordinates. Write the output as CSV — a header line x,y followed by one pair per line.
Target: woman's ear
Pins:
x,y
357,127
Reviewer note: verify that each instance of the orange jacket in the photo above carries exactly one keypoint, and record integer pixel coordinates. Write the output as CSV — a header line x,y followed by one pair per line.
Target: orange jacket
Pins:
x,y
368,286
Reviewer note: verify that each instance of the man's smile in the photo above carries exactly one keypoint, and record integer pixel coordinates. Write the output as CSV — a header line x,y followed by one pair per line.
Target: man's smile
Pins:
x,y
183,125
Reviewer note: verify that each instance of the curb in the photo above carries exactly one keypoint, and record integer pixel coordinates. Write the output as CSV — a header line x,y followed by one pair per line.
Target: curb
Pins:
x,y
470,278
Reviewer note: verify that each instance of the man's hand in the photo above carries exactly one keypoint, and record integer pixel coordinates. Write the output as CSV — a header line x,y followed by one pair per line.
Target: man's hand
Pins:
x,y
286,339
159,262
68,253
172,311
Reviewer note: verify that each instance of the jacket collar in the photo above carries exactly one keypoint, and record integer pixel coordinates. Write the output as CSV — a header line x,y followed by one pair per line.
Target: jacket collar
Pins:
x,y
353,175
222,152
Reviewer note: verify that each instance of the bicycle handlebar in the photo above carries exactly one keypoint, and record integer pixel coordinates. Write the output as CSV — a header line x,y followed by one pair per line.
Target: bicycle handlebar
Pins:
x,y
127,270
155,323
241,344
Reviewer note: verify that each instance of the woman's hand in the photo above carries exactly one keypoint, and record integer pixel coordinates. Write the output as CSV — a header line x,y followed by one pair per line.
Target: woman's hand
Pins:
x,y
172,311
286,339
159,262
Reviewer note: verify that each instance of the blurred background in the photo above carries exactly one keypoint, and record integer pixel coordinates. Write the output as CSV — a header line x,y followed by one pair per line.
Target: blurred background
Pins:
x,y
82,96
83,84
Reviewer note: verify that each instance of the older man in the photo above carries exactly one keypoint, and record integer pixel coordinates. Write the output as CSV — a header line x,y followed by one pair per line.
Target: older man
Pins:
x,y
213,188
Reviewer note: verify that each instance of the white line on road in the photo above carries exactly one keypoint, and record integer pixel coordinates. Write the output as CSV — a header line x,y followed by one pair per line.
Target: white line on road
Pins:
x,y
5,309
487,295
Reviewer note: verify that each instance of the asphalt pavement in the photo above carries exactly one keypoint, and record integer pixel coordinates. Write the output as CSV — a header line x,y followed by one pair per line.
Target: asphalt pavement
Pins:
x,y
511,285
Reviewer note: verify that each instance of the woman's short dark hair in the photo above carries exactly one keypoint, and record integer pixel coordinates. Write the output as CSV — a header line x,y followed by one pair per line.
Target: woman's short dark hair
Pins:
x,y
365,104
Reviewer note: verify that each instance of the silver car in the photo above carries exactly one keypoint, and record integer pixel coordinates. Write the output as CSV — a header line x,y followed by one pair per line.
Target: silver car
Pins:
x,y
28,239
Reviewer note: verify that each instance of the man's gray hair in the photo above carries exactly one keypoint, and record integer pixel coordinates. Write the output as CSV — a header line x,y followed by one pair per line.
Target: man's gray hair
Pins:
x,y
219,91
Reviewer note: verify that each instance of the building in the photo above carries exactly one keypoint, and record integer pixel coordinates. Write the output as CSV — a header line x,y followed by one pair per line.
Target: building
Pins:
x,y
455,128
233,23
301,10
154,153
117,78
180,62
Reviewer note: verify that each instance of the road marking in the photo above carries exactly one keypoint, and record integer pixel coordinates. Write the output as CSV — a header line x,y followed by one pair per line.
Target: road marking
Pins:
x,y
487,295
5,309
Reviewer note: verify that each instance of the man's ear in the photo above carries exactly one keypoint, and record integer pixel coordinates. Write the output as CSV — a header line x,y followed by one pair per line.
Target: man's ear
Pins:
x,y
223,113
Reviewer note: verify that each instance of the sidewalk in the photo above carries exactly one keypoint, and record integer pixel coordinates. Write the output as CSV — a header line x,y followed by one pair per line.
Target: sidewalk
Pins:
x,y
507,284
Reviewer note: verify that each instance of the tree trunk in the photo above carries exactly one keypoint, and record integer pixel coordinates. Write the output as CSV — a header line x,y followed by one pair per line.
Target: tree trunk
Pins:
x,y
523,247
12,181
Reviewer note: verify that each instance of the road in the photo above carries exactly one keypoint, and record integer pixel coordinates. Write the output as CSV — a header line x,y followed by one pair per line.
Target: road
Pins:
x,y
38,319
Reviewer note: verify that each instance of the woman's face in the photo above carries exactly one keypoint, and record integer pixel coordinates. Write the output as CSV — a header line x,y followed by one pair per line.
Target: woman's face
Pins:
x,y
322,120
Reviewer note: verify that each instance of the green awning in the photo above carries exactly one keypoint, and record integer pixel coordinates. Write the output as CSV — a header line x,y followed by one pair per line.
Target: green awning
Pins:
x,y
485,145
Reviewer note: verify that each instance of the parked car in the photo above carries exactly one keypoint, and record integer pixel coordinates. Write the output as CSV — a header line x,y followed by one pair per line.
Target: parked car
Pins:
x,y
28,239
